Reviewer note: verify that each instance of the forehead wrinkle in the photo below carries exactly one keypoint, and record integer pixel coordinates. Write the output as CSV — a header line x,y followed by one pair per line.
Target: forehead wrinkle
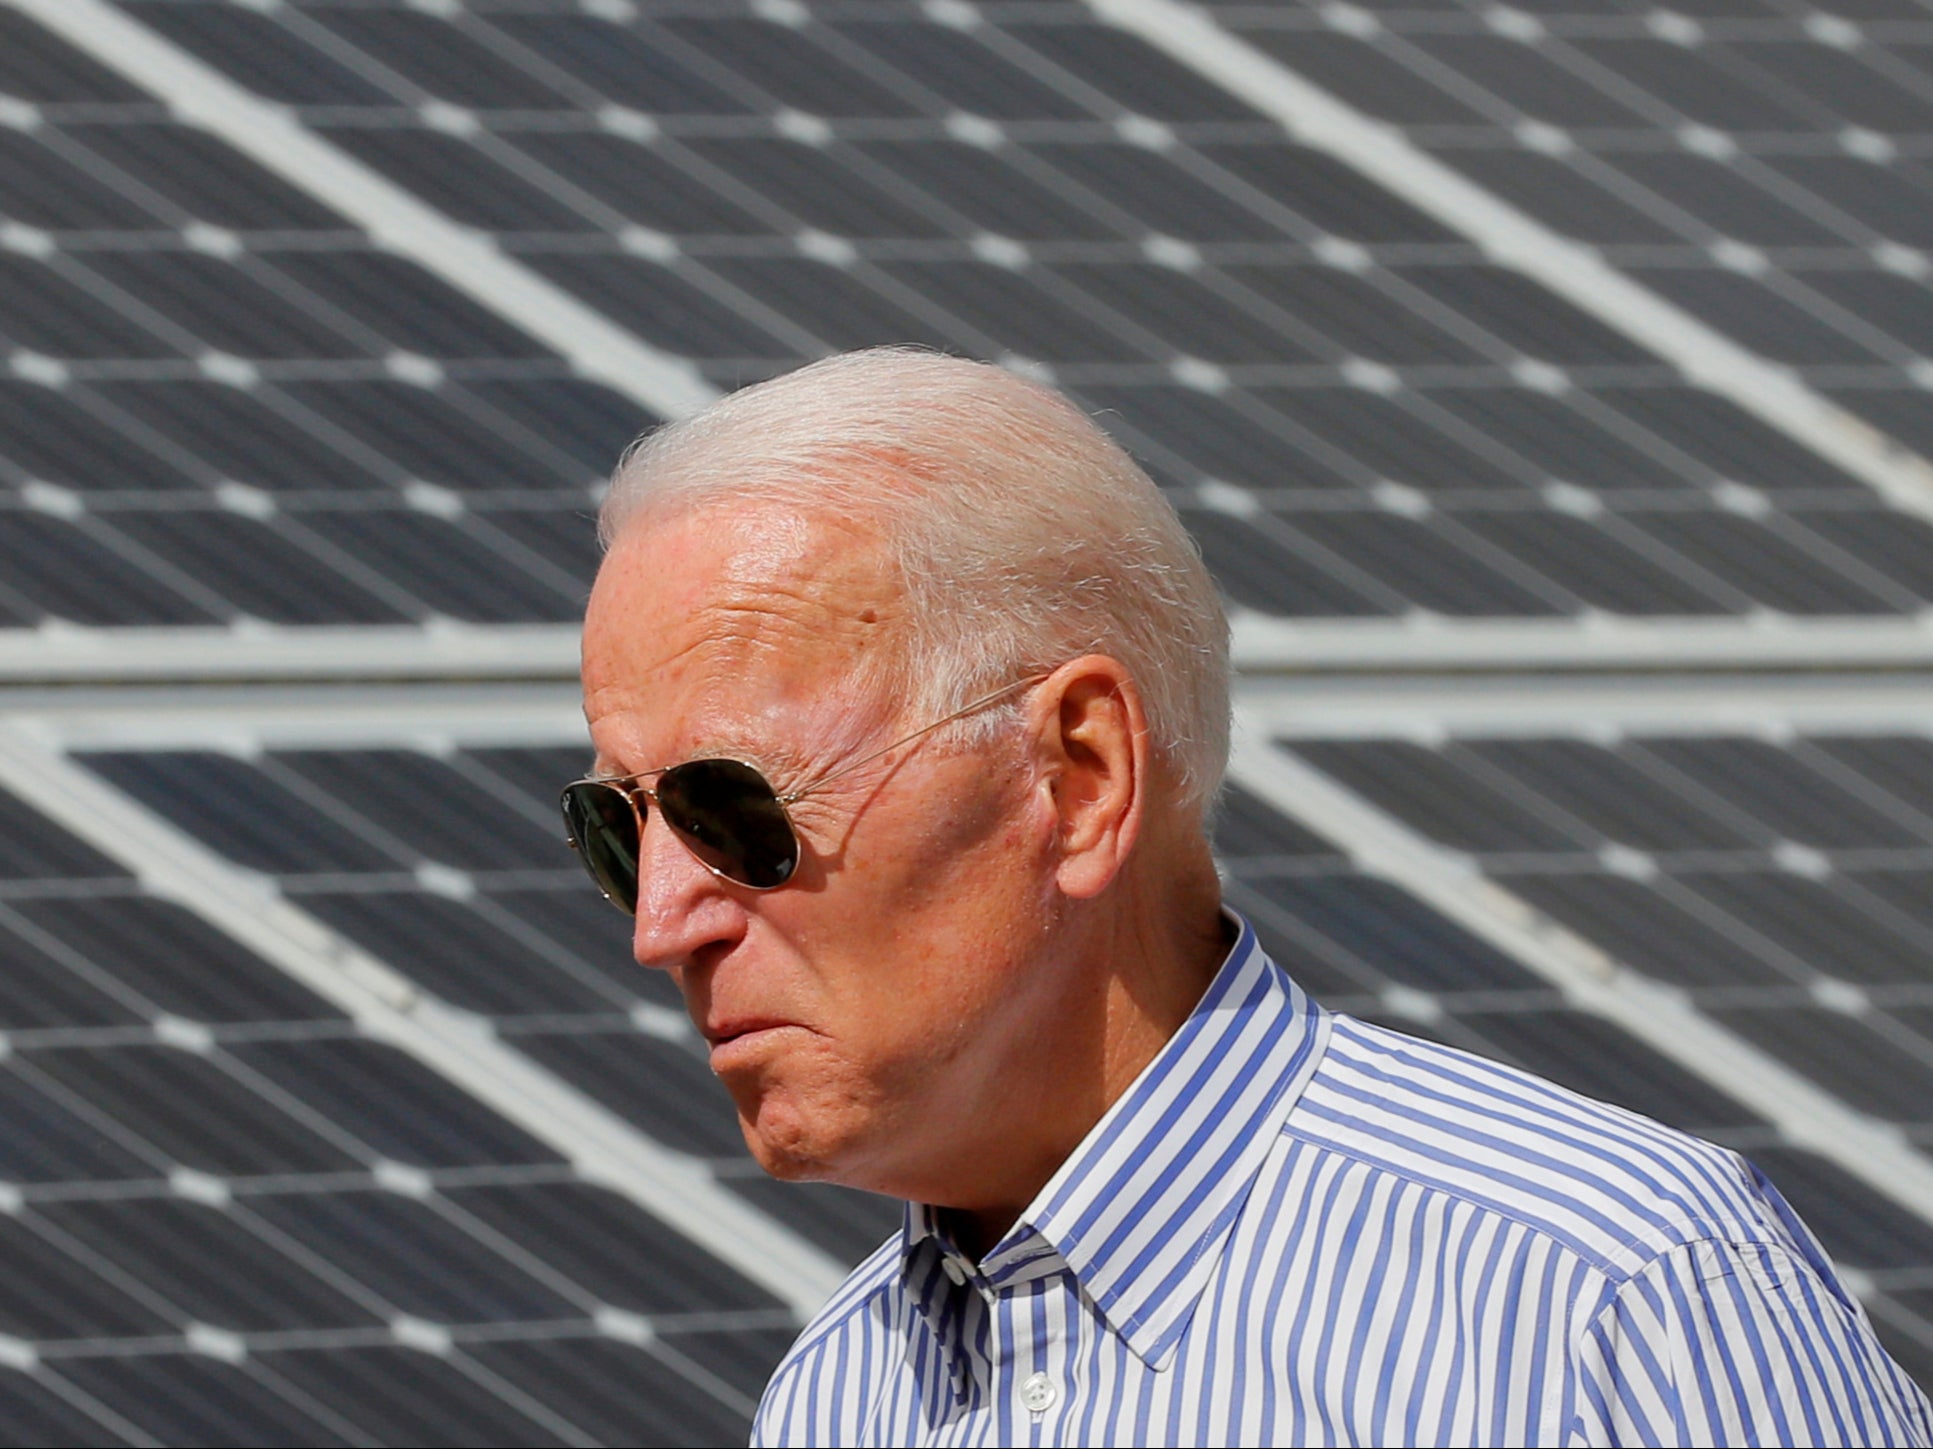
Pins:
x,y
742,618
775,615
789,576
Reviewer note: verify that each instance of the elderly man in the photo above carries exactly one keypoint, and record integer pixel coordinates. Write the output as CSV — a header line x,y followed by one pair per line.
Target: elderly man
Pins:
x,y
910,698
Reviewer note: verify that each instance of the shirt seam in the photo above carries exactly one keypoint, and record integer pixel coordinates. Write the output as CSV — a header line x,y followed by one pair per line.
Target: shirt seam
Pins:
x,y
1635,1250
1609,1295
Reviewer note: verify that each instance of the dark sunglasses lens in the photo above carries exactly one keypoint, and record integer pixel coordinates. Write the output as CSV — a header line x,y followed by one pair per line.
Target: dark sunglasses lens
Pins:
x,y
728,815
604,827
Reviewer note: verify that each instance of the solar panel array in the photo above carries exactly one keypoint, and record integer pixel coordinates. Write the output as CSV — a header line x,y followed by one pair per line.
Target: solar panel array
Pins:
x,y
1755,164
239,393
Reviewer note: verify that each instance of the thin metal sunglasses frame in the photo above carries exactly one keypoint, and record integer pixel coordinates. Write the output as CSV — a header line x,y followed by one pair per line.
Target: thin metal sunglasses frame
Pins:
x,y
631,787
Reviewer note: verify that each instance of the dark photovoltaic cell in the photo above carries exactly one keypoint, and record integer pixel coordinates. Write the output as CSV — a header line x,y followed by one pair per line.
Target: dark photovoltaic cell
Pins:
x,y
181,1397
400,1108
1262,573
36,66
158,957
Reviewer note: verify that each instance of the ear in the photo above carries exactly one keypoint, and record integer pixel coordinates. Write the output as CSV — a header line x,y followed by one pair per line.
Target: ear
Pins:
x,y
1091,735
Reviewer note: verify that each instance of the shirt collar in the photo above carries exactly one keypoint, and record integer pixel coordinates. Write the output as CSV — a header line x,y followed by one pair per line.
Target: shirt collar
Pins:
x,y
1141,1210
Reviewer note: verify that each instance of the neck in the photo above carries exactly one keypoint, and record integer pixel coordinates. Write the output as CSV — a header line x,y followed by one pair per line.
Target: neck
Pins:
x,y
1140,964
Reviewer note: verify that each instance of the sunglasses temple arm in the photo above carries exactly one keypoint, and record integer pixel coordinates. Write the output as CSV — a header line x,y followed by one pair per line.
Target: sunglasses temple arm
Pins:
x,y
961,713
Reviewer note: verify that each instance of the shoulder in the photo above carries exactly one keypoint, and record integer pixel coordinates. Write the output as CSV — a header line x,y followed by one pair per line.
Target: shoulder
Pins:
x,y
811,1396
1612,1187
1697,1308
1724,1342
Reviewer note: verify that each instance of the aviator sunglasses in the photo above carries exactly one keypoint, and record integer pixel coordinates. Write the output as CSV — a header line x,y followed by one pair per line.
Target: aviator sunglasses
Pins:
x,y
725,811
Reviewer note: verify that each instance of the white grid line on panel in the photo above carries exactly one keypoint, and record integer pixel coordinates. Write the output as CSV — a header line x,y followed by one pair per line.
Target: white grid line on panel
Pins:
x,y
1809,1117
1510,237
467,259
678,1190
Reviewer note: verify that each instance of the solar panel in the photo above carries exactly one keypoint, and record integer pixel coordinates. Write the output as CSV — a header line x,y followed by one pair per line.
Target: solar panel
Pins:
x,y
747,192
239,347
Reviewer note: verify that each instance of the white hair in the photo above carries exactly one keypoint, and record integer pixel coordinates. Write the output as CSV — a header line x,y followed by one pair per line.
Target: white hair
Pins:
x,y
1022,535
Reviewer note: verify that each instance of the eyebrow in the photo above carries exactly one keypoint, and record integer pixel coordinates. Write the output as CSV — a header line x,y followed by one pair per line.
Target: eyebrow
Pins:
x,y
761,760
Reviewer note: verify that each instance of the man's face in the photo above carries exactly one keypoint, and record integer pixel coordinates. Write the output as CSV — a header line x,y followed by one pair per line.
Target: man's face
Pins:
x,y
860,1015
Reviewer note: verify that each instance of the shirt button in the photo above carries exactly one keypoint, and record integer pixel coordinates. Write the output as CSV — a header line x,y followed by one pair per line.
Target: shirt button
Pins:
x,y
954,1272
1039,1393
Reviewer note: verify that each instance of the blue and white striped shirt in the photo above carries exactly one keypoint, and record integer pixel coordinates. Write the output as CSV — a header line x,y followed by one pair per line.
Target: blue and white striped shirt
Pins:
x,y
1296,1228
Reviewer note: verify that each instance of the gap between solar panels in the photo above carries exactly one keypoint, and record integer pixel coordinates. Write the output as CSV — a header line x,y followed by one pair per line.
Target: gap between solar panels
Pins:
x,y
1262,645
1807,1116
249,718
1509,237
266,653
1430,643
679,1190
1772,707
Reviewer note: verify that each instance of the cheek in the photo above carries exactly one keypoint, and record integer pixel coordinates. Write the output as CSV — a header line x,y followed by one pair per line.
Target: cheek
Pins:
x,y
972,923
966,980
915,953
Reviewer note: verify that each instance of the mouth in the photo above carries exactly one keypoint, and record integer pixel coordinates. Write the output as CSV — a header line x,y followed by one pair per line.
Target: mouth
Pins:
x,y
718,1034
735,1043
747,1046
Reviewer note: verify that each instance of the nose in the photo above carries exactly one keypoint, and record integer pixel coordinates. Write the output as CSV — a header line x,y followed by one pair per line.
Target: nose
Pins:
x,y
682,906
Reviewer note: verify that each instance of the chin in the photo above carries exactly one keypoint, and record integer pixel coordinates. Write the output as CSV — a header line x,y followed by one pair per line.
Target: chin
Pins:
x,y
813,1142
784,1142
788,1166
